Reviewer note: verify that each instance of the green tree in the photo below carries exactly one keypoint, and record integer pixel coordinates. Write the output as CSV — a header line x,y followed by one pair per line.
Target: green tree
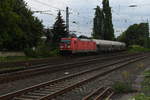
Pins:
x,y
98,29
137,34
49,37
59,30
108,25
146,34
103,26
19,29
149,42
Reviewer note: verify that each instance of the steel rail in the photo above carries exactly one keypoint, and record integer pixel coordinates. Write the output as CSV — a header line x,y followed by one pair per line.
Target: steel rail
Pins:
x,y
93,94
31,72
48,61
106,94
27,90
69,88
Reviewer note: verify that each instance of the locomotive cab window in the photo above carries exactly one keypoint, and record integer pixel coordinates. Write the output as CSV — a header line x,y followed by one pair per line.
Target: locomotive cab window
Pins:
x,y
65,41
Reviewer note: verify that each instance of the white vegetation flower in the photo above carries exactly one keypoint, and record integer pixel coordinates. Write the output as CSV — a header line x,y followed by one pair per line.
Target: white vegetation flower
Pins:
x,y
132,99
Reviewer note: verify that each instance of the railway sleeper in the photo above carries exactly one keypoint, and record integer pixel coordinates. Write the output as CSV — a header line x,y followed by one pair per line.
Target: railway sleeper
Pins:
x,y
70,87
42,92
112,93
104,94
94,93
46,92
28,96
19,98
36,94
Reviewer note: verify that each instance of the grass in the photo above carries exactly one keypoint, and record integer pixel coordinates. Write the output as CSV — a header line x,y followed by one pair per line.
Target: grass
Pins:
x,y
40,53
125,87
141,97
137,48
125,75
31,56
146,83
145,95
147,74
3,69
15,58
122,87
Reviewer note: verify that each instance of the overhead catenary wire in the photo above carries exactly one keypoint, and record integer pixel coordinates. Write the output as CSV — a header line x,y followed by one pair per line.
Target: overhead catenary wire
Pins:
x,y
56,8
48,5
45,4
79,14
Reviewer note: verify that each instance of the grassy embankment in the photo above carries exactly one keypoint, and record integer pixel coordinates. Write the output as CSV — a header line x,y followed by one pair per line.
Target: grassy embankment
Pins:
x,y
137,48
44,53
145,94
126,86
30,55
13,59
122,87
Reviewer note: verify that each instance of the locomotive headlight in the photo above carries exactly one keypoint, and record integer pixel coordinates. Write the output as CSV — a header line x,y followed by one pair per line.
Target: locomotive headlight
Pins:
x,y
68,46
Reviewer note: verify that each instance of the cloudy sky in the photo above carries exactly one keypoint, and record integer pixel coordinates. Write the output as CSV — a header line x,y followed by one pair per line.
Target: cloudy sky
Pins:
x,y
82,12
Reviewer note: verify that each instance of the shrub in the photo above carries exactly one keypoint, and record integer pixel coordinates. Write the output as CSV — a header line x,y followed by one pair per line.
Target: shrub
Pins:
x,y
122,87
137,48
41,51
146,83
30,52
141,97
125,75
147,73
145,95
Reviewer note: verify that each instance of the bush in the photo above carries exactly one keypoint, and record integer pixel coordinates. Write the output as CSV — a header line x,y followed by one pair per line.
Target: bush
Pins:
x,y
141,97
147,73
137,48
30,52
122,87
146,83
41,51
14,58
145,95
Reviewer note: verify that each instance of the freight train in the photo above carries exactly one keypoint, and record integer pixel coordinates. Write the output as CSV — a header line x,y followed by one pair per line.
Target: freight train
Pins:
x,y
75,45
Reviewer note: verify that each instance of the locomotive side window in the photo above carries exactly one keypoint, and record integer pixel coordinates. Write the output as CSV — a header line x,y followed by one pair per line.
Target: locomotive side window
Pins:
x,y
65,41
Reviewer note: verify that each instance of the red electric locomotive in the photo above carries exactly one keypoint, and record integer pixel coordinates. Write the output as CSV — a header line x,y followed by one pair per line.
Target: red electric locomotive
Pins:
x,y
75,45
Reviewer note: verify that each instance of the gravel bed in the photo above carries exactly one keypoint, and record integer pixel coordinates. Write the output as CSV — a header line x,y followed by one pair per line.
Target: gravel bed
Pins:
x,y
50,61
128,73
27,82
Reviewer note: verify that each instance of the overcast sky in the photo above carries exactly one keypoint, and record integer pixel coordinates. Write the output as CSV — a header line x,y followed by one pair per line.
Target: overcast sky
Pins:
x,y
82,11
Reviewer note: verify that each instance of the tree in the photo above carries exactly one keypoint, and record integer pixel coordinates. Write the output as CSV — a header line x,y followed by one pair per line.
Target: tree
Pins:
x,y
59,30
19,29
83,37
146,34
103,26
108,25
98,29
137,34
49,36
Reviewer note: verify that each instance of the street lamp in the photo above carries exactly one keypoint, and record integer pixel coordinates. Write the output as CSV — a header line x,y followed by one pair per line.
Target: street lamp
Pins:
x,y
133,5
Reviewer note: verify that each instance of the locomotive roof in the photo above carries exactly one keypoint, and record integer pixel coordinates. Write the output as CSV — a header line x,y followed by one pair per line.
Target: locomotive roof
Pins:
x,y
86,39
106,42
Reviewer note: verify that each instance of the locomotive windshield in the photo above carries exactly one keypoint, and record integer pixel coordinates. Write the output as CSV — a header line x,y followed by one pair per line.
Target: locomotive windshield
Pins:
x,y
65,41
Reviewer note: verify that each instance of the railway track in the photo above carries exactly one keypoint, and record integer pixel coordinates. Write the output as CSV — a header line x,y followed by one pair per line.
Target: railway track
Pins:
x,y
102,93
26,65
52,89
53,68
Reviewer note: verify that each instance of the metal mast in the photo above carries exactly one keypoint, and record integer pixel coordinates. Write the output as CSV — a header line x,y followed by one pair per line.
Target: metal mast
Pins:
x,y
67,19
